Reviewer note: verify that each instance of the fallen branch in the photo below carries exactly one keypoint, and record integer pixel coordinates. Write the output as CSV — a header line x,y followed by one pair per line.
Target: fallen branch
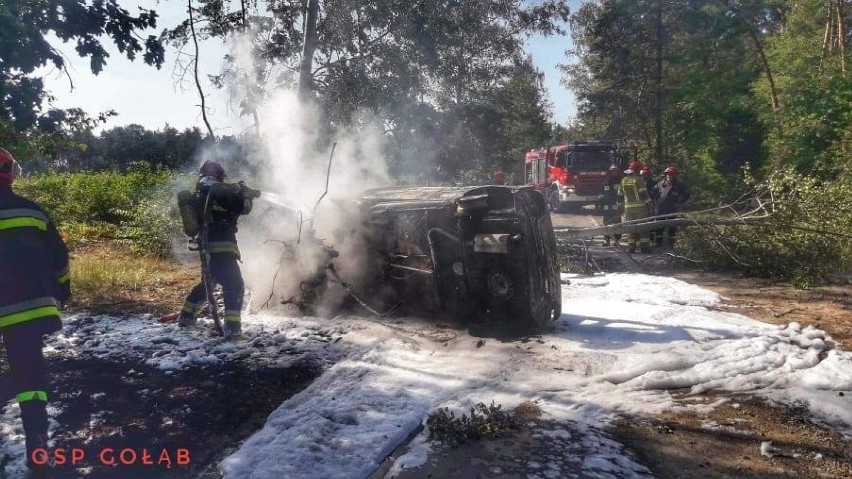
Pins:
x,y
653,223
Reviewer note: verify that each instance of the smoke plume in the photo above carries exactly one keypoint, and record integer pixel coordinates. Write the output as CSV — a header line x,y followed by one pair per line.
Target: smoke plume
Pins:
x,y
283,240
287,240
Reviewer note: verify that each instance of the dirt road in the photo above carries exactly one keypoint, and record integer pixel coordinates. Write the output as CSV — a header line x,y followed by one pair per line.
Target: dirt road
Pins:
x,y
576,220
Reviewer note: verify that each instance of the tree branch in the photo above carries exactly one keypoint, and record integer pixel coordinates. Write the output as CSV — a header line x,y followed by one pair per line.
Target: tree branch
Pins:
x,y
195,71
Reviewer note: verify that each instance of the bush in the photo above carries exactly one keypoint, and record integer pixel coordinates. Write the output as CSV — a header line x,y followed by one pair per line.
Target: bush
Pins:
x,y
135,207
153,223
806,240
483,422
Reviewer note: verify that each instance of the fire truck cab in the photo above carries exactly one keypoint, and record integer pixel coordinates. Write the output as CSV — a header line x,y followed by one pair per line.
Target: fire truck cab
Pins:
x,y
570,175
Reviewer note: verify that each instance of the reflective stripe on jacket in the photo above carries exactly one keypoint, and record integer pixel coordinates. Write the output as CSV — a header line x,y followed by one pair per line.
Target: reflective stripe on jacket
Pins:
x,y
26,310
633,193
34,272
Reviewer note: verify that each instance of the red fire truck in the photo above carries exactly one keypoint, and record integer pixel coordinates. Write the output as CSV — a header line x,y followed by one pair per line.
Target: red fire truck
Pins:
x,y
570,175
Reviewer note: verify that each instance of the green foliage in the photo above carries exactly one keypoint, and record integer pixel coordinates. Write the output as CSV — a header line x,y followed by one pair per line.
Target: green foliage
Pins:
x,y
811,129
134,207
122,147
153,223
757,84
444,80
807,239
24,48
689,66
485,421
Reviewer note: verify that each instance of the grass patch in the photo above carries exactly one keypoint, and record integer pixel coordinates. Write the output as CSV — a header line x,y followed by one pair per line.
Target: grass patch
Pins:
x,y
111,278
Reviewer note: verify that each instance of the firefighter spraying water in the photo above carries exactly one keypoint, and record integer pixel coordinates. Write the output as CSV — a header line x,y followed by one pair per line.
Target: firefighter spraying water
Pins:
x,y
209,216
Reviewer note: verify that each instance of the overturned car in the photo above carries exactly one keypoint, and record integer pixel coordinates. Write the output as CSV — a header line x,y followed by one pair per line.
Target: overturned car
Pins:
x,y
485,256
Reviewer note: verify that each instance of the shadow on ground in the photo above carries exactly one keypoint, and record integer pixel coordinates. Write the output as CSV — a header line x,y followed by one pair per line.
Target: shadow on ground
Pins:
x,y
107,407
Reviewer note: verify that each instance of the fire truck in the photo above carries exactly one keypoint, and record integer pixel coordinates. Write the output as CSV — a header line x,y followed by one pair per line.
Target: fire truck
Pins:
x,y
571,175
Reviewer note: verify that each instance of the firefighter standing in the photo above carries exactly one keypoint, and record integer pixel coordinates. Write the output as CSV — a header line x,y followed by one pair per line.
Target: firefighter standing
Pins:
x,y
609,204
34,285
499,177
224,203
645,173
671,194
637,205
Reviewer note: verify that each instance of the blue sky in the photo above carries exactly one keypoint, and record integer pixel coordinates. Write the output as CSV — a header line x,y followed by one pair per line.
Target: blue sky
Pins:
x,y
547,53
144,95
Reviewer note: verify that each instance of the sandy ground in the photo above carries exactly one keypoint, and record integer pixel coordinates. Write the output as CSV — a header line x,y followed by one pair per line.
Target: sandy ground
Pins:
x,y
674,445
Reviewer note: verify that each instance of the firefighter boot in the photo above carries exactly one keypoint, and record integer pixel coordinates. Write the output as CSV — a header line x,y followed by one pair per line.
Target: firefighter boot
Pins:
x,y
34,419
190,309
631,243
43,471
186,320
233,330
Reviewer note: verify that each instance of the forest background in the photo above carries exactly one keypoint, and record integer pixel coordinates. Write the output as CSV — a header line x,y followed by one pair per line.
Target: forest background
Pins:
x,y
743,95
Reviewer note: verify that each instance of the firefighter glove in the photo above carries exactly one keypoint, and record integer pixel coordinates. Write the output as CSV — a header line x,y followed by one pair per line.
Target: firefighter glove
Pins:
x,y
248,192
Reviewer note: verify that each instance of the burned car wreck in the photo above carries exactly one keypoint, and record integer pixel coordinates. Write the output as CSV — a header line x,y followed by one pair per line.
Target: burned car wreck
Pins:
x,y
485,256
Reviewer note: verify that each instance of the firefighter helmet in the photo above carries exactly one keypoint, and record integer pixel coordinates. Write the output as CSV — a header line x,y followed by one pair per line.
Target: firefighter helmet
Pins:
x,y
645,170
671,170
9,168
633,167
211,168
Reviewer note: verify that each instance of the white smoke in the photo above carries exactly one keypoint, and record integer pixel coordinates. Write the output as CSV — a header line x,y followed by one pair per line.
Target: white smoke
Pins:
x,y
281,241
278,240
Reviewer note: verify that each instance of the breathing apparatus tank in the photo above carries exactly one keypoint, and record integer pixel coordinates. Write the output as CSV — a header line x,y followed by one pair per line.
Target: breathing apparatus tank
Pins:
x,y
190,212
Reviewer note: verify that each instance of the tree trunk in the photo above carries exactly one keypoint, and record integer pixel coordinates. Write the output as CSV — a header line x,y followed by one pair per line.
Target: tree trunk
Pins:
x,y
309,47
841,36
195,71
773,92
826,38
248,75
658,114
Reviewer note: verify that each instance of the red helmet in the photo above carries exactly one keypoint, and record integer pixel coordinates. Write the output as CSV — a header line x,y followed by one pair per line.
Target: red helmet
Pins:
x,y
9,168
211,168
671,170
645,170
634,166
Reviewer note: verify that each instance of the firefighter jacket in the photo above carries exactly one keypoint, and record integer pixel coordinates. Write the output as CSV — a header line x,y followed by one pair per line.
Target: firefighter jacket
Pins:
x,y
608,201
223,204
634,196
34,274
650,188
671,194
